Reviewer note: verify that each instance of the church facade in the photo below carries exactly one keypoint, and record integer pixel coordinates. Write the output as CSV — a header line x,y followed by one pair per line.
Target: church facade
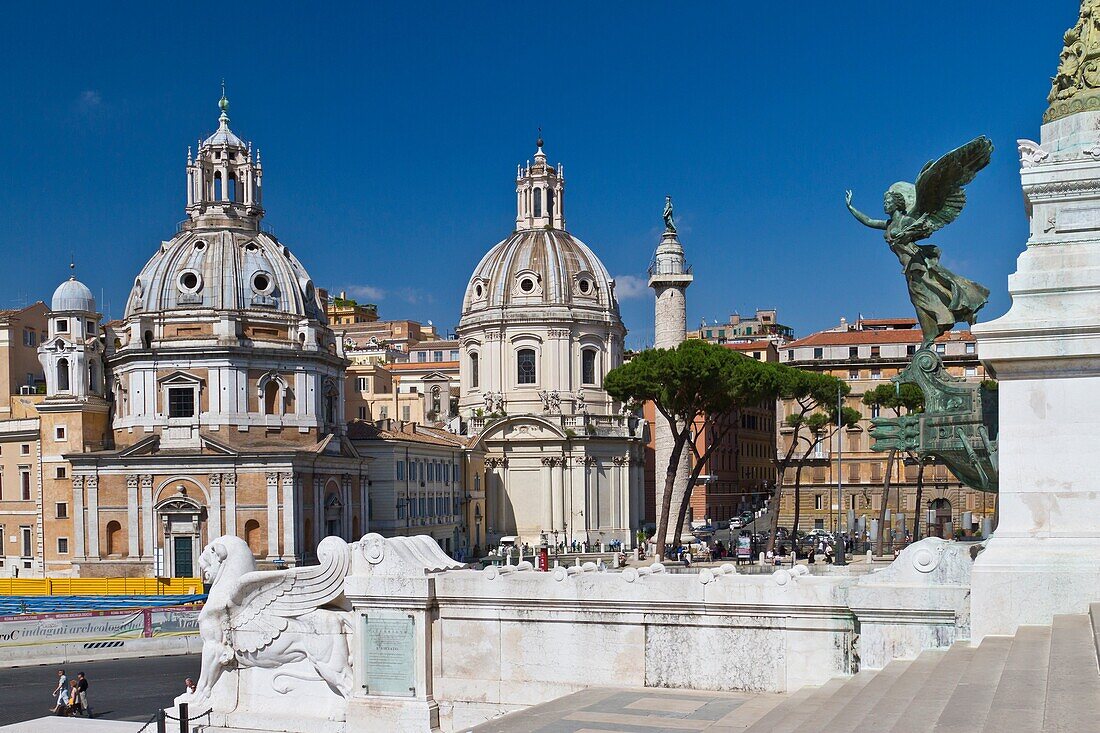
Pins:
x,y
540,328
214,406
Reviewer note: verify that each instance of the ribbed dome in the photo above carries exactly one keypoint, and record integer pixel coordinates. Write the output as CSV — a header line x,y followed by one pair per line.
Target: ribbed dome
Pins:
x,y
224,269
73,295
540,267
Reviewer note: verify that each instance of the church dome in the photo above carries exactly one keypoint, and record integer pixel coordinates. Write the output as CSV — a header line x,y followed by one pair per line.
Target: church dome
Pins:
x,y
73,295
225,269
536,267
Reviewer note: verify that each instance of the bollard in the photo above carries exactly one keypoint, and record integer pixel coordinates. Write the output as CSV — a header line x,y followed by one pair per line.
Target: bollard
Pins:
x,y
162,722
868,557
761,559
183,717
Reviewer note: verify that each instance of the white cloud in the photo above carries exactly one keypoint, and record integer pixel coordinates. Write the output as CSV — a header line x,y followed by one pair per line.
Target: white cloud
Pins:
x,y
365,292
90,99
628,287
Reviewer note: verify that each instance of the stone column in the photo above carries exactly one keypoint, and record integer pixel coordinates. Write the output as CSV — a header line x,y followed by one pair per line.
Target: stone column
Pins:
x,y
290,514
669,278
91,488
1045,352
78,517
148,517
214,510
230,482
272,515
345,489
547,494
133,516
617,499
557,493
318,514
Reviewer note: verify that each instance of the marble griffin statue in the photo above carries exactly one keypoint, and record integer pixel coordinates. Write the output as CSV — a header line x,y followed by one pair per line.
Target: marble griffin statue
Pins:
x,y
918,210
270,618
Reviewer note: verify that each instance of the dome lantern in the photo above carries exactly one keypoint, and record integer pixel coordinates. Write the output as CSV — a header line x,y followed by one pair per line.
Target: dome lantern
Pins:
x,y
540,194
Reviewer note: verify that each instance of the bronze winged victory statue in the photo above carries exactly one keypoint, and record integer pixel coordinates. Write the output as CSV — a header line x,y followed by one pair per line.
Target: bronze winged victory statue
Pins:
x,y
916,211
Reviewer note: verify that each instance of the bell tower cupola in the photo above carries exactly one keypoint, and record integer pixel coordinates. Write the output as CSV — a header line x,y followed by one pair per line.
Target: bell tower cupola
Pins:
x,y
540,193
224,179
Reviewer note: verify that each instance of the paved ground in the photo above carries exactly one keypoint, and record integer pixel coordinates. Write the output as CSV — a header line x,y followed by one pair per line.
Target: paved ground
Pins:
x,y
641,710
119,689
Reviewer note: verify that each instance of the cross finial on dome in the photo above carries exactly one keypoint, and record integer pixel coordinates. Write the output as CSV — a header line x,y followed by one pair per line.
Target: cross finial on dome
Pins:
x,y
72,266
539,143
223,105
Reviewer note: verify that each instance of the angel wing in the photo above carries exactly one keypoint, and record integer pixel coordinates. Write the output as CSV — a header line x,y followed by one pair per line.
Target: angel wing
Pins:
x,y
940,195
265,599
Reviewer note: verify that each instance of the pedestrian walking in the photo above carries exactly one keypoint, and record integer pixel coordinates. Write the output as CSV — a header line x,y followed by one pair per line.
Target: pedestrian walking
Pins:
x,y
189,686
82,685
61,692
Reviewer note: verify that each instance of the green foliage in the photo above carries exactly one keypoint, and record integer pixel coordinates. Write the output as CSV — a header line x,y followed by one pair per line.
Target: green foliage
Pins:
x,y
570,433
907,397
990,385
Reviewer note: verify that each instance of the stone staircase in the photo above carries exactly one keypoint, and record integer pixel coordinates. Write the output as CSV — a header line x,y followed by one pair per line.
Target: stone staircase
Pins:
x,y
1045,679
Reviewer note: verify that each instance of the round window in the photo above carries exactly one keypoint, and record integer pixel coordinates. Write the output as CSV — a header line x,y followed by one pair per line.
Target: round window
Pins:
x,y
200,246
252,247
585,286
189,281
478,290
527,285
261,283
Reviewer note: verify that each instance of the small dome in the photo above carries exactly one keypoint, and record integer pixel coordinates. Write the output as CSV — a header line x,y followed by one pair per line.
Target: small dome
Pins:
x,y
73,295
223,136
540,267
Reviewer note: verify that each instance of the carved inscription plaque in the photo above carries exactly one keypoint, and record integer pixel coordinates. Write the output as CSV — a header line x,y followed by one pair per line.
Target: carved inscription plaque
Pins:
x,y
388,654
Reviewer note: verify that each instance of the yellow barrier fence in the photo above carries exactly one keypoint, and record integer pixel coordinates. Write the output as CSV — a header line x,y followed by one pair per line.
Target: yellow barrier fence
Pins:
x,y
99,586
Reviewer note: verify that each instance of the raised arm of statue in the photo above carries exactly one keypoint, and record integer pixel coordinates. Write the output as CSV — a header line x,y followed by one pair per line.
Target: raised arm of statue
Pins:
x,y
861,217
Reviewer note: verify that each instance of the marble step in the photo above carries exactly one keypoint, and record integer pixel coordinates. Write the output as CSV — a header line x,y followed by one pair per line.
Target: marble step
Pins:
x,y
798,718
852,689
970,702
896,683
1073,683
1022,691
785,709
924,705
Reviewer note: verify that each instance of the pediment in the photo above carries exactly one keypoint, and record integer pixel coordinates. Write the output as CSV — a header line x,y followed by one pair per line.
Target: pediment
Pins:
x,y
143,447
521,428
180,377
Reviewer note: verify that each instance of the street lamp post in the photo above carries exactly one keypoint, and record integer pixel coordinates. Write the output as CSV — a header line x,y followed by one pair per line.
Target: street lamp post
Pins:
x,y
840,555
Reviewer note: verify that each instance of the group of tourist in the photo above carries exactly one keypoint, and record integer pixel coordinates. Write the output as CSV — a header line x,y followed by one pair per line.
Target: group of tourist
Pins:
x,y
71,696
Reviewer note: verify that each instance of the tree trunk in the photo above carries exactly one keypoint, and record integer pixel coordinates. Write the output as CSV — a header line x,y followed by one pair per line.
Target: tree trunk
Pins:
x,y
700,461
890,460
917,506
670,482
773,506
797,496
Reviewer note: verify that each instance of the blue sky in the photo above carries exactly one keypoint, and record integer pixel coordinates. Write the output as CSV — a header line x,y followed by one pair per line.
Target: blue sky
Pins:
x,y
391,132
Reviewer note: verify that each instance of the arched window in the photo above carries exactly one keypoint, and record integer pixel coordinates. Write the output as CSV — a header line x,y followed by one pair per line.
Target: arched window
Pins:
x,y
588,366
252,535
475,371
525,366
538,202
93,378
62,375
550,203
218,186
232,187
271,397
114,538
330,395
147,339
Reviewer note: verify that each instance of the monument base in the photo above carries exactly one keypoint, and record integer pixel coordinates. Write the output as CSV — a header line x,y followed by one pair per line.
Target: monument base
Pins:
x,y
393,714
1019,581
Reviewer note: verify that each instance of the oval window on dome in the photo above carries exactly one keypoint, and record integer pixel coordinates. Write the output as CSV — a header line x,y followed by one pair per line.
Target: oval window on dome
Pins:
x,y
527,285
189,281
200,246
585,286
479,290
262,283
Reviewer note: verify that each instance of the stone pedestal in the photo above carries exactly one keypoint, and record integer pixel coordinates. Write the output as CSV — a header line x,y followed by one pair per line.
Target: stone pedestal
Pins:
x,y
1044,557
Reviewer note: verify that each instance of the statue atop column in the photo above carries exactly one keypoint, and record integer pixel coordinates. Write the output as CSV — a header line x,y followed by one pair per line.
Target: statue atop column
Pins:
x,y
670,226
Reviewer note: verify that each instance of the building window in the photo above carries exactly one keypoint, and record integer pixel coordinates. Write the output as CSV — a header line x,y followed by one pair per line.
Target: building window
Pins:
x,y
59,432
454,355
30,337
383,412
362,413
422,356
971,371
588,366
941,348
437,356
910,349
853,374
62,510
876,374
62,375
853,352
876,352
406,413
819,352
25,483
401,470
62,325
874,411
790,354
114,538
361,384
60,472
25,449
538,202
181,402
819,501
25,544
475,375
62,545
971,348
525,366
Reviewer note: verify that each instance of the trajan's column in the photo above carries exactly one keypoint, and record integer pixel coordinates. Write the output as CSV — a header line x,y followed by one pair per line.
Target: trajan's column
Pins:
x,y
669,276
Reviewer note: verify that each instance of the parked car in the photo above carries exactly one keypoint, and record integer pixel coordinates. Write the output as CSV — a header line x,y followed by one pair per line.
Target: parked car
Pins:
x,y
736,523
